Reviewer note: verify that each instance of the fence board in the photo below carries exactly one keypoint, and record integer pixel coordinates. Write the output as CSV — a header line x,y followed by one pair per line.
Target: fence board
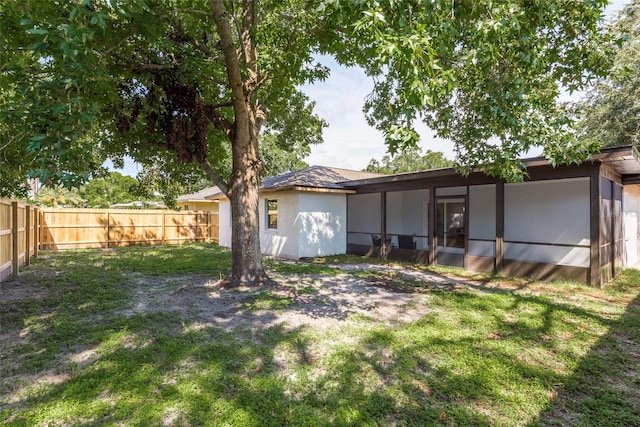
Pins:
x,y
95,228
25,229
18,236
6,239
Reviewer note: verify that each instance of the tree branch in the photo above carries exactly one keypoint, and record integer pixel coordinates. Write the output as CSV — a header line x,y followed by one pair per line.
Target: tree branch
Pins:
x,y
192,12
219,121
12,140
213,175
230,57
154,67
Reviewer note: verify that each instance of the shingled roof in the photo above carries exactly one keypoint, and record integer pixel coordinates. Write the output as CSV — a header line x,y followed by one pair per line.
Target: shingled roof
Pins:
x,y
315,177
200,195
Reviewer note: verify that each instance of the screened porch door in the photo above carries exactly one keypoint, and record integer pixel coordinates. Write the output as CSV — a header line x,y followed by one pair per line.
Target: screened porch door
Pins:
x,y
450,231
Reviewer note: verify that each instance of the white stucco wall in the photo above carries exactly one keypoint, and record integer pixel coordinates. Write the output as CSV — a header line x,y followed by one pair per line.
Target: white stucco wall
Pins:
x,y
283,241
224,212
554,211
321,224
309,224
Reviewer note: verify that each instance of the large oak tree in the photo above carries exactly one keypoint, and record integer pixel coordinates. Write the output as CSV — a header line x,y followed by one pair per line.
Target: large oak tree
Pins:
x,y
610,113
191,82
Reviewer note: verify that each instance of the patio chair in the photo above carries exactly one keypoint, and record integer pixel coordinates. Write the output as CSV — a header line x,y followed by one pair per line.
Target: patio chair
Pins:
x,y
406,242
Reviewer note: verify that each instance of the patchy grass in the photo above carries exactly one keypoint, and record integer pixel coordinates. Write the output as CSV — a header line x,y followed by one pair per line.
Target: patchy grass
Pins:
x,y
124,336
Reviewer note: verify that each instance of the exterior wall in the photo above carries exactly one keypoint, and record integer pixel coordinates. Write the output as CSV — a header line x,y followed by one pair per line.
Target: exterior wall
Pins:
x,y
631,206
364,218
548,222
283,241
224,216
309,224
321,224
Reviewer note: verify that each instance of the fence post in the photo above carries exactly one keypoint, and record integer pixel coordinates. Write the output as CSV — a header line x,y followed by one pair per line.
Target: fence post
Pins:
x,y
14,239
27,235
36,231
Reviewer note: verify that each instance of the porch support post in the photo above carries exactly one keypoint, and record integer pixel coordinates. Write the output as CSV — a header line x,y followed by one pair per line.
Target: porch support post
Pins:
x,y
595,276
431,217
499,263
465,257
384,250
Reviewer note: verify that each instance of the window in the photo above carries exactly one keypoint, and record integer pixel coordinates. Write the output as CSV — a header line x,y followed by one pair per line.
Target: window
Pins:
x,y
186,207
272,214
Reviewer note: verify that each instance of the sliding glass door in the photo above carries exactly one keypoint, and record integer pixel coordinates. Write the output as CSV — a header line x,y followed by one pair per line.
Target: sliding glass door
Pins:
x,y
450,230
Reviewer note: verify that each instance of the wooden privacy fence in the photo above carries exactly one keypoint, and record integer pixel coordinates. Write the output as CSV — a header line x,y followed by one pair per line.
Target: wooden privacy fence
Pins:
x,y
18,236
25,229
104,228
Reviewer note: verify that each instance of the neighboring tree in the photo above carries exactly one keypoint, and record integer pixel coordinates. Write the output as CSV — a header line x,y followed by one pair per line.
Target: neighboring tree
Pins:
x,y
193,82
280,156
610,114
60,197
157,180
410,160
112,188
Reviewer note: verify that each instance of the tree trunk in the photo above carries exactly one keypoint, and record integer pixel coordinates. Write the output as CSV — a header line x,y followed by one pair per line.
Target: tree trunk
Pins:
x,y
245,177
245,218
245,226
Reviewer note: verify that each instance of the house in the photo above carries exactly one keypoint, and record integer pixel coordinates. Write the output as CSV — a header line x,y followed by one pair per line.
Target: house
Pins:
x,y
303,213
575,222
198,201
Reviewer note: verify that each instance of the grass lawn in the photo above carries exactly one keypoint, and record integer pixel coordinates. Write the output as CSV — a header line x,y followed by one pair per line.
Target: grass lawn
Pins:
x,y
143,336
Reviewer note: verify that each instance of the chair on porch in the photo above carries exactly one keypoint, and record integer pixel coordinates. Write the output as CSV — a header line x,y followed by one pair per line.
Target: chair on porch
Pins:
x,y
406,242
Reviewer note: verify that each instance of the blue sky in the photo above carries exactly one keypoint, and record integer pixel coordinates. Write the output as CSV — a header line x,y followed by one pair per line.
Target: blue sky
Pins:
x,y
349,142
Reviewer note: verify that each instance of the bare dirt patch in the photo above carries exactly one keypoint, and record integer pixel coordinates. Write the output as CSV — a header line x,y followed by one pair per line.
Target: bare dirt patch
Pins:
x,y
298,300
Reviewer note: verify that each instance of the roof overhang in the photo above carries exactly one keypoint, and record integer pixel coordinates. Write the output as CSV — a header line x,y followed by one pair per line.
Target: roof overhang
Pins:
x,y
196,200
303,189
624,161
296,188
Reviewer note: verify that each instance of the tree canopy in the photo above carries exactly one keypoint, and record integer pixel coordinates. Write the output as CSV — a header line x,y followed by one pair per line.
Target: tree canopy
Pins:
x,y
610,114
410,160
189,84
111,189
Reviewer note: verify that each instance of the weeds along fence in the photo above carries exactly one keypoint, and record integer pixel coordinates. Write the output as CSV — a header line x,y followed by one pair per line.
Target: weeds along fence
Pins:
x,y
18,236
25,229
105,228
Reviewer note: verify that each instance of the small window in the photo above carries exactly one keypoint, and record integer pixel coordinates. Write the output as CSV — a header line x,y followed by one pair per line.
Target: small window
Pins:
x,y
272,214
186,207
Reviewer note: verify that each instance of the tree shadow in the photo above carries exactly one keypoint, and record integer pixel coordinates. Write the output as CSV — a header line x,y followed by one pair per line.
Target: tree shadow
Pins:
x,y
604,389
176,367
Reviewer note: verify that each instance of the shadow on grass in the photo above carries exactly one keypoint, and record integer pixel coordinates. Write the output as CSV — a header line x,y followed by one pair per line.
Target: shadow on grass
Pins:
x,y
604,390
473,359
